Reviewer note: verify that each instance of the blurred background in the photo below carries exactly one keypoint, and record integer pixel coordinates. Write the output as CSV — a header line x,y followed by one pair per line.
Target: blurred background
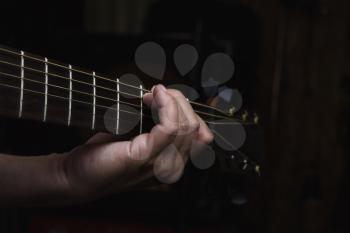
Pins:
x,y
292,68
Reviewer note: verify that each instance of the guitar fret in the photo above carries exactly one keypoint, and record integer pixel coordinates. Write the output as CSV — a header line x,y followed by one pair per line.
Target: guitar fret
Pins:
x,y
46,88
94,101
43,82
141,109
70,94
118,107
22,86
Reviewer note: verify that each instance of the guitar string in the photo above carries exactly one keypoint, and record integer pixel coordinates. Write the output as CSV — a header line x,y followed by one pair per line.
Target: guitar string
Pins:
x,y
232,122
102,106
113,100
86,103
197,111
228,143
103,78
222,138
55,75
62,77
64,88
66,98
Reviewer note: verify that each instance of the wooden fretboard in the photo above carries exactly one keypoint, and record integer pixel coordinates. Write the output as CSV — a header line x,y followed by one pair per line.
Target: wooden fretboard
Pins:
x,y
33,87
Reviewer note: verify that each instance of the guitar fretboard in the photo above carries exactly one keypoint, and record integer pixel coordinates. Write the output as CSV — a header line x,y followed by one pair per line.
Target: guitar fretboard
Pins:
x,y
42,89
51,91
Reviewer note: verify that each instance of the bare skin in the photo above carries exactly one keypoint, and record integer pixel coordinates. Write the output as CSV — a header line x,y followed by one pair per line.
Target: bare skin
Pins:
x,y
102,166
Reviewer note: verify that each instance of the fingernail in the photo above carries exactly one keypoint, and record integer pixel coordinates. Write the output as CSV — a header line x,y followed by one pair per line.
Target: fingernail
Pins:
x,y
161,91
146,94
153,88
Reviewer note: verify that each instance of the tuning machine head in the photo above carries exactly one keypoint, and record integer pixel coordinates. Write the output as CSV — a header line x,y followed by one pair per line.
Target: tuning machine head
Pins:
x,y
231,111
245,116
256,118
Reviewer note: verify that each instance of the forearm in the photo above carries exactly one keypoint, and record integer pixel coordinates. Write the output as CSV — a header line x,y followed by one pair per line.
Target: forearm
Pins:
x,y
35,180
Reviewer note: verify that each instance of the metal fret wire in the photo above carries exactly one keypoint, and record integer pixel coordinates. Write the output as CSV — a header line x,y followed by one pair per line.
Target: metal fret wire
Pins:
x,y
46,89
103,78
22,86
141,112
118,107
70,95
94,104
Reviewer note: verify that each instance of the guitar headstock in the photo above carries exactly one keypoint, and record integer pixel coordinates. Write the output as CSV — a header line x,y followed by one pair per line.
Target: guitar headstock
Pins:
x,y
245,117
229,129
230,122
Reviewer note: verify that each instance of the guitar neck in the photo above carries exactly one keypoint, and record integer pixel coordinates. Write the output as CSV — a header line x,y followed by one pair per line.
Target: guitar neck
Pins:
x,y
41,89
33,87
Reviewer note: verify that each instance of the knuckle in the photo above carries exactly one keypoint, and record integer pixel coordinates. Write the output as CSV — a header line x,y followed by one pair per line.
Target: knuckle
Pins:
x,y
195,125
184,127
176,93
173,129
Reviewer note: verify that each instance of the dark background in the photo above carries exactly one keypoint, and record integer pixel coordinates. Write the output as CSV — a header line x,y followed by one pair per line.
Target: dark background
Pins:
x,y
292,67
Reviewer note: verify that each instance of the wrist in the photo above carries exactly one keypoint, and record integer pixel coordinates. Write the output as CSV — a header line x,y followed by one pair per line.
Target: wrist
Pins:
x,y
56,163
34,180
67,176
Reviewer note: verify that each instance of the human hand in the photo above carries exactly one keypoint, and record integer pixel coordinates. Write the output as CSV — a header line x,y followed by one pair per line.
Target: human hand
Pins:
x,y
103,166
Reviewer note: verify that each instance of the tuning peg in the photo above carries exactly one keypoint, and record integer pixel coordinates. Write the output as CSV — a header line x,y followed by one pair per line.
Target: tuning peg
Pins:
x,y
245,116
231,111
257,170
256,119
